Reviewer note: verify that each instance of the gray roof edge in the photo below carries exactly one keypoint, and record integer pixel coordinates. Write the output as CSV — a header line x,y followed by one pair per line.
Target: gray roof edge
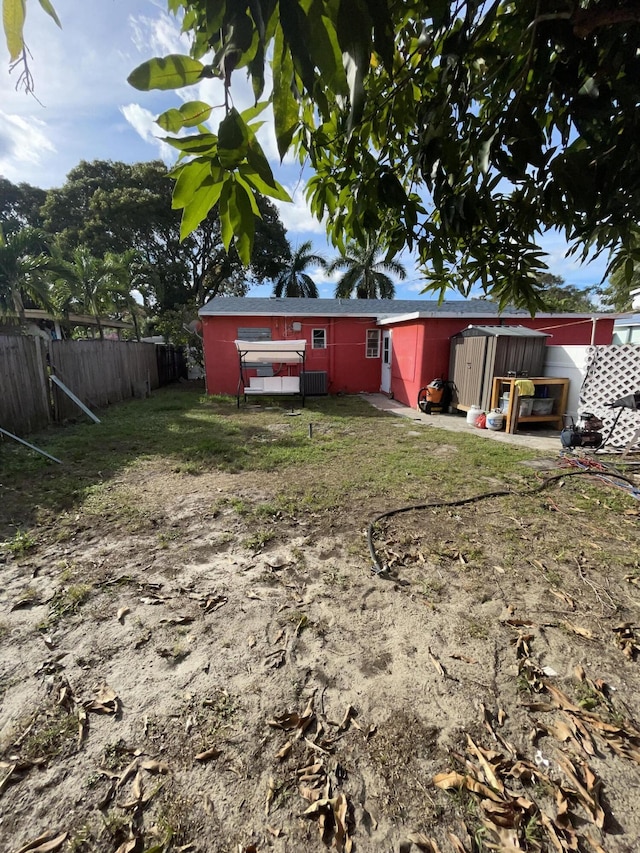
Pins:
x,y
383,311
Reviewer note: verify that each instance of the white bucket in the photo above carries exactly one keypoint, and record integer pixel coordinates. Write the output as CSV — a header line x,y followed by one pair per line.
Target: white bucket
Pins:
x,y
495,420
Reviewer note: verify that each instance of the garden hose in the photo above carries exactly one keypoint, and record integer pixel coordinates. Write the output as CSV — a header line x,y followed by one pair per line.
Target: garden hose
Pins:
x,y
379,568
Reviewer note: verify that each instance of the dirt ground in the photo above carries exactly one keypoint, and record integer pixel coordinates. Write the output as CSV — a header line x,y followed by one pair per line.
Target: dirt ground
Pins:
x,y
200,680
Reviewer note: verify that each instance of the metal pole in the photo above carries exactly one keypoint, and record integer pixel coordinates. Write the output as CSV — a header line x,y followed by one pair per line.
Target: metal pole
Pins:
x,y
32,446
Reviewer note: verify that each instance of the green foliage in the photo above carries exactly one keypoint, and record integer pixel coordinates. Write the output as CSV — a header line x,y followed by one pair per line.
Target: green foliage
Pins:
x,y
294,281
460,131
22,542
111,207
366,272
563,298
617,292
24,267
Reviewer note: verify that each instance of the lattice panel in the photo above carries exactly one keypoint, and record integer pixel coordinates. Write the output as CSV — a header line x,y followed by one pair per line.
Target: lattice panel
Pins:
x,y
612,372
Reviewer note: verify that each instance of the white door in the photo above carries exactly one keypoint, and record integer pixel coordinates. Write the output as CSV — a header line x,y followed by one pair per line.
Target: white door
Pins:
x,y
385,378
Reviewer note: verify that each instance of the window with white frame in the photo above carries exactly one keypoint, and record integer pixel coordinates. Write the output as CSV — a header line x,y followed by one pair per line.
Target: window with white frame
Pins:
x,y
319,339
373,343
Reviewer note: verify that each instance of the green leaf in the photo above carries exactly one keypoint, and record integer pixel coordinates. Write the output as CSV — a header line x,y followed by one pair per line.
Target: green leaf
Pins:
x,y
168,72
201,143
242,221
190,114
628,270
48,8
285,106
13,15
250,194
232,133
200,203
325,49
226,229
355,42
252,177
188,179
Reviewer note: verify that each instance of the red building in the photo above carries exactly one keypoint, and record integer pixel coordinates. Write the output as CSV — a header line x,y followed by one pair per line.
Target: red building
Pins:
x,y
370,345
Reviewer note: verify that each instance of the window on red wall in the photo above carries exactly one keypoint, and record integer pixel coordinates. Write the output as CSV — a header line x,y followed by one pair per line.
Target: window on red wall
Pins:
x,y
319,339
373,343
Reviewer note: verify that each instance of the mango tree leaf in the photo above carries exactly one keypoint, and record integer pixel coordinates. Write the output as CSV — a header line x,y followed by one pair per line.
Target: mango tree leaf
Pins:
x,y
13,15
243,223
356,51
325,50
233,140
190,114
168,72
201,143
48,8
285,107
200,203
256,181
189,178
226,229
295,28
250,195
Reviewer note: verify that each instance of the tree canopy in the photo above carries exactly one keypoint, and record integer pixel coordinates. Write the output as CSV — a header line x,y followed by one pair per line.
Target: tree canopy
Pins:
x,y
294,280
560,297
461,130
366,272
110,206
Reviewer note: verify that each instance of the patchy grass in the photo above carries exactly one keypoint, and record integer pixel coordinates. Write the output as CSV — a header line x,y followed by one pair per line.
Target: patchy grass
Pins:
x,y
215,652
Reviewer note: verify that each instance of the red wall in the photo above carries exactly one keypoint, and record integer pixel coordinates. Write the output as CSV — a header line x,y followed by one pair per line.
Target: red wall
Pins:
x,y
420,348
344,359
413,369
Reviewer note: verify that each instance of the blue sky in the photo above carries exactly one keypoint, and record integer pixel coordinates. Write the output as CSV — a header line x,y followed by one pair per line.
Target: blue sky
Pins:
x,y
85,110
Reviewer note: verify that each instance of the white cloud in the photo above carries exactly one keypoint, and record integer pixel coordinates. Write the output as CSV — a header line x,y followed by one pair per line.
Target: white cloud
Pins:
x,y
144,123
296,215
157,36
23,142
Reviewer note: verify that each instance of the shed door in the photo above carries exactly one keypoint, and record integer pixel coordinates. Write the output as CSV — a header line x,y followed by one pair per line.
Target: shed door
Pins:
x,y
385,378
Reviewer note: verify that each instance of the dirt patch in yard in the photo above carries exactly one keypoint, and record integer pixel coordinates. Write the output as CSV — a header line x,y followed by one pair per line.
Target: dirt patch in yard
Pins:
x,y
218,669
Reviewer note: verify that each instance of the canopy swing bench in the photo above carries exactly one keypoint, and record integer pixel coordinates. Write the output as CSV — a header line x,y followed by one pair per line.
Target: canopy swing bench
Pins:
x,y
254,354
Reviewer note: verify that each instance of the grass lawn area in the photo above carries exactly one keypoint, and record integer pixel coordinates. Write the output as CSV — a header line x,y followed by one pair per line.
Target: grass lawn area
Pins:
x,y
196,655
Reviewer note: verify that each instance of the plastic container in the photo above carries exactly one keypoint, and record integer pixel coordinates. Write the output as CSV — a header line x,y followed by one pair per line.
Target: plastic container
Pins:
x,y
473,414
542,407
524,408
495,420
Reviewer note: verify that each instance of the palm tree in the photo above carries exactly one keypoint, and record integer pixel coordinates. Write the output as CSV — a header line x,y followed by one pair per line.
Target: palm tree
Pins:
x,y
366,273
127,273
293,280
23,272
85,285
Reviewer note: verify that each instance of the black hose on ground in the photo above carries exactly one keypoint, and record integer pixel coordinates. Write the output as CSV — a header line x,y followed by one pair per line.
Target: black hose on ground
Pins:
x,y
379,568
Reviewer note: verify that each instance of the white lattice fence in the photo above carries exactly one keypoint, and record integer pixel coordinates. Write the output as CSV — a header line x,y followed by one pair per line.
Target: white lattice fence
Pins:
x,y
612,372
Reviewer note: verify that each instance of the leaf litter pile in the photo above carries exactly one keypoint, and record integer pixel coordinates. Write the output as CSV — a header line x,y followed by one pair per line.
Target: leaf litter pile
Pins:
x,y
185,684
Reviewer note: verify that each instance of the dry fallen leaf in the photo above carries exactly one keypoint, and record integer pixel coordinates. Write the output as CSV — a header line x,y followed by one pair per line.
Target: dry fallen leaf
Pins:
x,y
106,701
208,754
577,629
423,843
45,843
271,792
122,612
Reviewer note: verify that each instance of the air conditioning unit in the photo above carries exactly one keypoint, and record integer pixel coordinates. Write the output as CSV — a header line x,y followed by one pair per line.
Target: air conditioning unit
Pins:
x,y
315,382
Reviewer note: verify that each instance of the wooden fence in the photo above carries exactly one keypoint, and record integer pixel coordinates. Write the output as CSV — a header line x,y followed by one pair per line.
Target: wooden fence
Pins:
x,y
97,372
100,373
24,387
